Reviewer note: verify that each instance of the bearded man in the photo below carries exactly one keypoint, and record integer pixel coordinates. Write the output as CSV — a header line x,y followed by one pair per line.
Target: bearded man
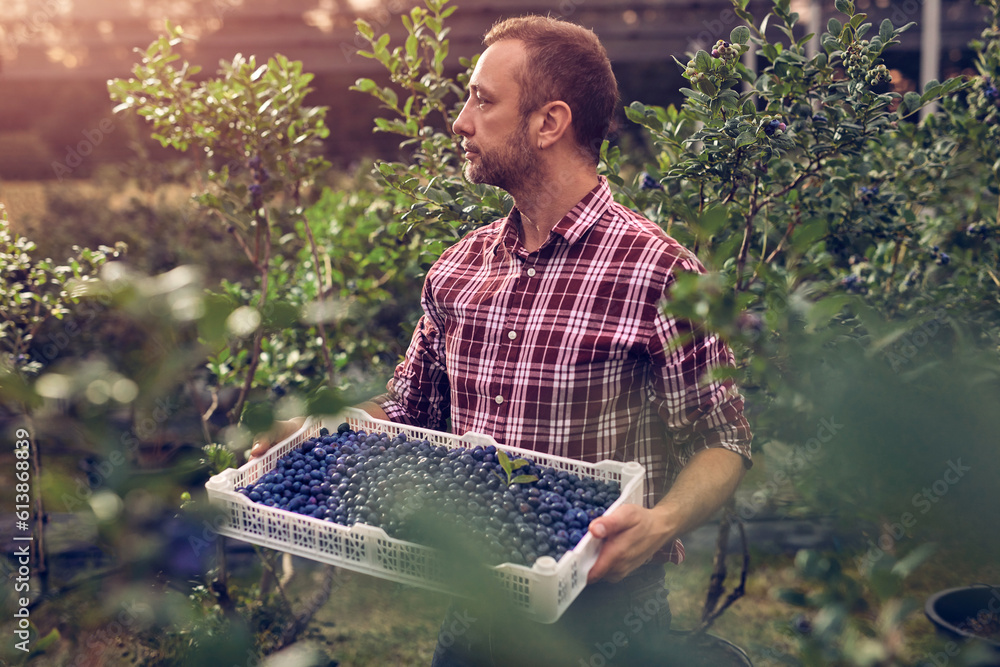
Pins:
x,y
545,330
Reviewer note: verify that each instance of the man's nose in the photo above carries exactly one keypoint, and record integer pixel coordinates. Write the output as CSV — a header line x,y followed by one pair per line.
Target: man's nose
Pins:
x,y
461,125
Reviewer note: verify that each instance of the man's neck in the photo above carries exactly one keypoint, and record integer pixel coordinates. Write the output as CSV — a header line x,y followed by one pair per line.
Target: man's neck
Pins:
x,y
544,203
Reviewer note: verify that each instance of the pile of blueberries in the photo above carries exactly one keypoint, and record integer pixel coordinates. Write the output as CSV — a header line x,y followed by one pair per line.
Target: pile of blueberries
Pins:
x,y
422,493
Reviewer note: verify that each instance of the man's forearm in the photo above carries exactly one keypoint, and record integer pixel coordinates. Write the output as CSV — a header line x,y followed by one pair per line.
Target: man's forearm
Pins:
x,y
374,410
633,533
702,487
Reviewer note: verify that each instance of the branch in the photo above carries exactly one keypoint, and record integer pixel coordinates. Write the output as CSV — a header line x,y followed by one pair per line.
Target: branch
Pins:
x,y
788,234
263,228
220,587
327,361
302,619
243,244
717,582
269,568
741,260
41,558
709,616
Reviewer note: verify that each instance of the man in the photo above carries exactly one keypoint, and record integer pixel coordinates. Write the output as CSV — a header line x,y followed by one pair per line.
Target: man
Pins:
x,y
544,330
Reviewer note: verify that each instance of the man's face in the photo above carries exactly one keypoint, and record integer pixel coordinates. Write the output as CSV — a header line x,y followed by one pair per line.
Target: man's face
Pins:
x,y
495,134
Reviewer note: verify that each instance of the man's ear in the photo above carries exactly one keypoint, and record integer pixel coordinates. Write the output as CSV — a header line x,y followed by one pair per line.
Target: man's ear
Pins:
x,y
553,120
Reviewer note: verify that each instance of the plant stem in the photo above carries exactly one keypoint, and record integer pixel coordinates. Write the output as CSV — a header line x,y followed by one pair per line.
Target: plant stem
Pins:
x,y
41,558
327,361
712,609
716,585
222,578
747,234
263,247
309,609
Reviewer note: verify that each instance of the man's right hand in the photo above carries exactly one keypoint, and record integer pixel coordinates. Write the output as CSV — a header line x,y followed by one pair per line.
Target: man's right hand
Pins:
x,y
283,429
278,432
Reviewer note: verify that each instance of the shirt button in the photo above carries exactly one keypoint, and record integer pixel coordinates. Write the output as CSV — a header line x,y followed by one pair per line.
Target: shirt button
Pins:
x,y
499,399
530,272
512,335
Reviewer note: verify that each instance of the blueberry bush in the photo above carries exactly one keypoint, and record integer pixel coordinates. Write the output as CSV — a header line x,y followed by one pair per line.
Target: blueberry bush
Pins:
x,y
327,264
37,291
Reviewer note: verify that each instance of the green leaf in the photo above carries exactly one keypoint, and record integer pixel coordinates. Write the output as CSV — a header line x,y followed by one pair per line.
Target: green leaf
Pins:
x,y
281,315
825,310
792,597
744,14
365,85
523,479
807,234
844,7
43,643
883,582
364,28
911,561
324,401
706,86
745,139
885,31
257,417
504,461
702,61
834,27
740,35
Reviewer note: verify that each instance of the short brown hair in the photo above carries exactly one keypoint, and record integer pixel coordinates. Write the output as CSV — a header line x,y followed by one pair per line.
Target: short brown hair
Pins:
x,y
565,62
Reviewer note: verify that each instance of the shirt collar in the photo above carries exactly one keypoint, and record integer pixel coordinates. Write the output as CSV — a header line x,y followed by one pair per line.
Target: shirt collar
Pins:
x,y
575,223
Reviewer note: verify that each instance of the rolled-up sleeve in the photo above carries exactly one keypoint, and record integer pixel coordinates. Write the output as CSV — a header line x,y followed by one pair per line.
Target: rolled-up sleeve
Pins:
x,y
418,393
699,413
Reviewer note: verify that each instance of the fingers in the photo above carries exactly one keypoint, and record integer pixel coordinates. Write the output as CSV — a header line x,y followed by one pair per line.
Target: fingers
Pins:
x,y
614,523
613,560
260,448
609,555
279,431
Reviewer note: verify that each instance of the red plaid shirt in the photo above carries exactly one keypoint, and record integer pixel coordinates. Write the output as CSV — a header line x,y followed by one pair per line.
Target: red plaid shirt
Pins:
x,y
565,350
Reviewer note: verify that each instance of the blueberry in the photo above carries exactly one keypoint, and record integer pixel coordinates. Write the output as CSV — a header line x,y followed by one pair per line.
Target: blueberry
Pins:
x,y
647,182
801,624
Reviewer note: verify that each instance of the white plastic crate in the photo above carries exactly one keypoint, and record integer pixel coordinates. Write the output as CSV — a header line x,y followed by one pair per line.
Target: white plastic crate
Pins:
x,y
543,591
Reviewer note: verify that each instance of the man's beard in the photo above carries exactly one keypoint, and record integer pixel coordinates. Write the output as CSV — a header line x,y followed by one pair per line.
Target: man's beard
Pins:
x,y
510,167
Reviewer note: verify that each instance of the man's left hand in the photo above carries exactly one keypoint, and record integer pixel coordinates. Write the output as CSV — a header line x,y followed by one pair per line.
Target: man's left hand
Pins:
x,y
631,534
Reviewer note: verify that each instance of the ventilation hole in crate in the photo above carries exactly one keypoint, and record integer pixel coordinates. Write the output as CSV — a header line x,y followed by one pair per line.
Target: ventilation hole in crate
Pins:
x,y
328,542
303,535
519,589
354,549
249,520
276,528
563,590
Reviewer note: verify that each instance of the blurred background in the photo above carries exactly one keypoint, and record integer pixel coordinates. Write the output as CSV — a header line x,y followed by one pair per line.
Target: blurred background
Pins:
x,y
57,55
